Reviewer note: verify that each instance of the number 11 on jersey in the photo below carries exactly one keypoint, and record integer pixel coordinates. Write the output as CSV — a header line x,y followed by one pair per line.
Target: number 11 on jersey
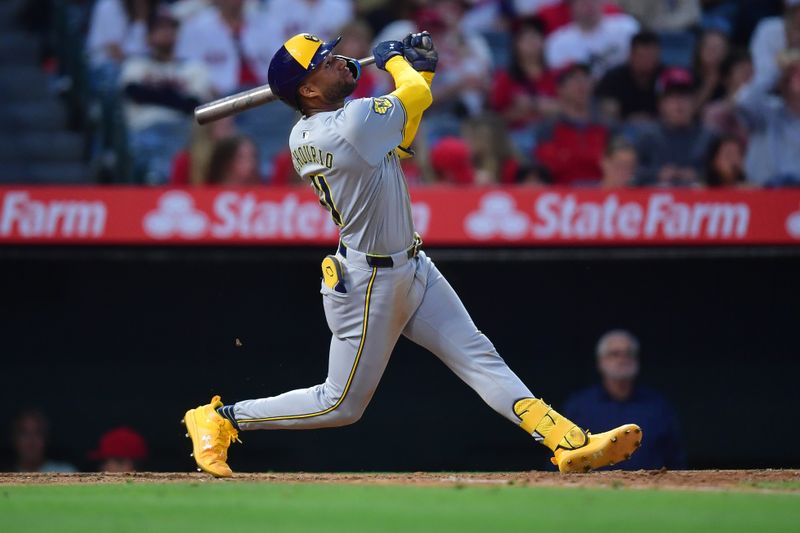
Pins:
x,y
325,198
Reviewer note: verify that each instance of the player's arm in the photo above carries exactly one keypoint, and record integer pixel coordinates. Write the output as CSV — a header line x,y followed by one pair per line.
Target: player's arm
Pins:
x,y
411,88
419,51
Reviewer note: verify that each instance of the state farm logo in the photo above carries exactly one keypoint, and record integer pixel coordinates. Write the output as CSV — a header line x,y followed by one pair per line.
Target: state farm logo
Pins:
x,y
236,215
793,225
557,216
24,216
175,216
497,216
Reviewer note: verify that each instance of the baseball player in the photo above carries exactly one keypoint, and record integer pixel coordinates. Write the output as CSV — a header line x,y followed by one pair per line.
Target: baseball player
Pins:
x,y
380,284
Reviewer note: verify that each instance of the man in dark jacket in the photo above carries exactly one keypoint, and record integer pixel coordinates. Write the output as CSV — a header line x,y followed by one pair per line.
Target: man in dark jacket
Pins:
x,y
619,397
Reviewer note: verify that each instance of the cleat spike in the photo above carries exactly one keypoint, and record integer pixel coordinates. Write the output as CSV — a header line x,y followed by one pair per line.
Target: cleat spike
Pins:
x,y
183,421
191,454
199,470
186,435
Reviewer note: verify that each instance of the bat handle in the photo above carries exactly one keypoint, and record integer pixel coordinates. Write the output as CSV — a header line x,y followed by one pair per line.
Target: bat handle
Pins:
x,y
236,103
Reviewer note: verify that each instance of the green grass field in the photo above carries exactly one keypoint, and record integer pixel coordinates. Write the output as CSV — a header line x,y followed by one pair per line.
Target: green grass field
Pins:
x,y
234,507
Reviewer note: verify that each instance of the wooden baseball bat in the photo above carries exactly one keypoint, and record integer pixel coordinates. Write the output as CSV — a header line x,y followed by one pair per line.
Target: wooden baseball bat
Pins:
x,y
236,103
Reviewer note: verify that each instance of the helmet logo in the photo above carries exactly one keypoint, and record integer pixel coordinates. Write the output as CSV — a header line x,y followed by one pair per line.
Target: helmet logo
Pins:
x,y
310,37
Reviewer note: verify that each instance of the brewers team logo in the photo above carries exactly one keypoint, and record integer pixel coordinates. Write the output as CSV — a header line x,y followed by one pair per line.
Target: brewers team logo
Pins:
x,y
381,105
310,37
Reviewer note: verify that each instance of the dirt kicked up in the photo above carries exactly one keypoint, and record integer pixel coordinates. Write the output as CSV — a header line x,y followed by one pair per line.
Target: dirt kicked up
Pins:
x,y
737,480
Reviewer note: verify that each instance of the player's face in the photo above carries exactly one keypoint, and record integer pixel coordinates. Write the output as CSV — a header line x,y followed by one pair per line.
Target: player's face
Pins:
x,y
332,79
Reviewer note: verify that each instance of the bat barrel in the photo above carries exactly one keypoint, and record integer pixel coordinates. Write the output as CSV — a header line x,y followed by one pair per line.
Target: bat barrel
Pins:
x,y
236,103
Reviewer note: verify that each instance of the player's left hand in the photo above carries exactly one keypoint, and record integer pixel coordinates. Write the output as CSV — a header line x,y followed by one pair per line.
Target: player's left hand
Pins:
x,y
385,51
420,52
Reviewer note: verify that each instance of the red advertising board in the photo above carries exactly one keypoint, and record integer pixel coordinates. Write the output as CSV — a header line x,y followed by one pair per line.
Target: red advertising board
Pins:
x,y
443,215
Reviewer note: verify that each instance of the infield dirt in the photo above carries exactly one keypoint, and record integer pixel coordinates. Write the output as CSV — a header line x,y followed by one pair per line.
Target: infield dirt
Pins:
x,y
740,480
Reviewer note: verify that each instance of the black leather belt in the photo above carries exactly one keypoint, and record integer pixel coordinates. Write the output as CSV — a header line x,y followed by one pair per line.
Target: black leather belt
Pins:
x,y
385,261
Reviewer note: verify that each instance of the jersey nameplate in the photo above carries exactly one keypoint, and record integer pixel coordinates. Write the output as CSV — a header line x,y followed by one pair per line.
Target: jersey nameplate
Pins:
x,y
307,154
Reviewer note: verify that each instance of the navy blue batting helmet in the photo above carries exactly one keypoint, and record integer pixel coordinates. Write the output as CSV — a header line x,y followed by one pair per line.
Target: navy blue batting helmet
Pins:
x,y
295,60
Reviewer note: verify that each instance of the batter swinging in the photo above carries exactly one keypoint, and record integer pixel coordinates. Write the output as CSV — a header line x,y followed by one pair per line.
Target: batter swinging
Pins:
x,y
379,284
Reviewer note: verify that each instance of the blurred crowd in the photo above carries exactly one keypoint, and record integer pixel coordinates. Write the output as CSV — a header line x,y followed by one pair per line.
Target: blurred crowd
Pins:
x,y
121,449
672,93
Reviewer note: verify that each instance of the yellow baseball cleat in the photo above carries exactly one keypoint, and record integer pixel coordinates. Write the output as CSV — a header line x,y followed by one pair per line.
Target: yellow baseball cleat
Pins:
x,y
211,435
603,449
576,450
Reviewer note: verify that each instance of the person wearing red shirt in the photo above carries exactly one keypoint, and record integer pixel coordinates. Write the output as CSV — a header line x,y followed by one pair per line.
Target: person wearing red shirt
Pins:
x,y
571,146
559,15
526,90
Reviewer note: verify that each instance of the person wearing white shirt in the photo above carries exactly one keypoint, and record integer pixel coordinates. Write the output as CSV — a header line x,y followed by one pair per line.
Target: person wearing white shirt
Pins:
x,y
772,36
593,38
117,30
228,38
323,18
160,94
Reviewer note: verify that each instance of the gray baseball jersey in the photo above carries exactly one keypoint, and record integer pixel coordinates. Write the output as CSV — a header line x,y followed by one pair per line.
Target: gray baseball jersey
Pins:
x,y
348,157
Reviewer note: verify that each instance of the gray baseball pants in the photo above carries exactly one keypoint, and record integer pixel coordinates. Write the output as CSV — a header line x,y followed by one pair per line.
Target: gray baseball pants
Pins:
x,y
412,298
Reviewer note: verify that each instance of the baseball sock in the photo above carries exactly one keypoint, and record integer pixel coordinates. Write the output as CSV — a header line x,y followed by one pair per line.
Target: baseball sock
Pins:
x,y
226,411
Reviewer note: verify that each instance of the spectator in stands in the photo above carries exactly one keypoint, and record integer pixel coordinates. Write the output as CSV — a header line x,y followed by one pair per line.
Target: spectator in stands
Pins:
x,y
720,117
725,163
619,397
773,153
160,94
494,158
619,164
555,14
283,172
281,19
710,54
772,36
29,436
526,91
628,92
673,152
664,15
120,450
600,40
118,30
190,165
571,146
451,161
230,41
234,162
463,74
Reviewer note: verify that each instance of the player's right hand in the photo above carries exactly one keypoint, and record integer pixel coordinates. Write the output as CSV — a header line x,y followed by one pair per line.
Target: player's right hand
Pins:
x,y
420,52
385,51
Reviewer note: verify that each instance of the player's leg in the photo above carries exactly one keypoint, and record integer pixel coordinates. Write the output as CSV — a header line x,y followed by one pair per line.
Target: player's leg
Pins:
x,y
366,322
442,324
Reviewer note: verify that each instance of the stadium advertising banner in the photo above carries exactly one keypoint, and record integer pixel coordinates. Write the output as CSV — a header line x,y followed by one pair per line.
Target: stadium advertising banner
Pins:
x,y
443,215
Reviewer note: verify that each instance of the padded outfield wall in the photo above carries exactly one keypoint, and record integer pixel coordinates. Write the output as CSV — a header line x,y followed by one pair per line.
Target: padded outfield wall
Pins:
x,y
100,336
